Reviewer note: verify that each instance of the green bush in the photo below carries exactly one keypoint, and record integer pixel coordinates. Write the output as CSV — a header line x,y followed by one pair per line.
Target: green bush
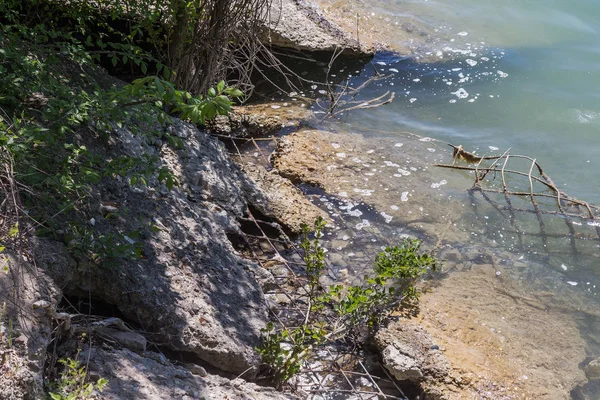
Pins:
x,y
340,310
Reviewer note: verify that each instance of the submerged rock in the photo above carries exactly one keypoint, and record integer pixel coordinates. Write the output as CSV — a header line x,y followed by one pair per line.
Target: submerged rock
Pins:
x,y
592,370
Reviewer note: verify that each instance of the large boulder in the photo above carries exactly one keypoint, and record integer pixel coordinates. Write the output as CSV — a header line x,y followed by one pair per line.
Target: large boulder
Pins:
x,y
190,291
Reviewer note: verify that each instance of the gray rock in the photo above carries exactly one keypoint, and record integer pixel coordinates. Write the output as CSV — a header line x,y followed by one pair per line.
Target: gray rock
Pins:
x,y
295,25
131,340
191,291
409,353
131,375
592,370
400,365
196,370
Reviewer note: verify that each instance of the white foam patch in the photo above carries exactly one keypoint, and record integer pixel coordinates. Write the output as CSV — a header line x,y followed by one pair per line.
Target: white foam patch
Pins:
x,y
399,145
471,62
431,149
412,99
395,208
335,145
364,224
381,63
340,155
463,33
393,70
564,267
572,283
438,184
493,148
461,93
416,80
391,164
404,196
366,192
501,74
403,172
349,208
388,218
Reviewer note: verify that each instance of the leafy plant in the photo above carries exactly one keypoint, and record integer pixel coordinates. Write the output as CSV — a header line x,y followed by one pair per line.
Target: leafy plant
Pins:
x,y
340,310
314,254
285,350
73,384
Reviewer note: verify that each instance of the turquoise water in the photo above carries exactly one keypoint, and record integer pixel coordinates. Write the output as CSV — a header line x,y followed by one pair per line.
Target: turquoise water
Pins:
x,y
495,75
506,74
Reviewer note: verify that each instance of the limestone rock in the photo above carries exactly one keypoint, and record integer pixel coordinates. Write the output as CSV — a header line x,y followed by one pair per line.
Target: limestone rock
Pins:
x,y
401,366
132,375
131,340
191,290
260,119
296,25
286,202
409,353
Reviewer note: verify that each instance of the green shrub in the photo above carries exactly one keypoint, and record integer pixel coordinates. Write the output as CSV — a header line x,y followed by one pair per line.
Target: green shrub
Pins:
x,y
339,311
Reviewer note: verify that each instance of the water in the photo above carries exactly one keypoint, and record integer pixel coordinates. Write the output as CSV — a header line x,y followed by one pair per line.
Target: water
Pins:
x,y
534,87
497,75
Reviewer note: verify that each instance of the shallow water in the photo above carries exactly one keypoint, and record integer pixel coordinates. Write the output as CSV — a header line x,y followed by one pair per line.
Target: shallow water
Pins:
x,y
522,75
498,75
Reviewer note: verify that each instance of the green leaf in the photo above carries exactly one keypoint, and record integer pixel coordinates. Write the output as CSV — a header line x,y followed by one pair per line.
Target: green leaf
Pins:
x,y
220,86
144,68
233,92
14,231
170,183
212,92
114,61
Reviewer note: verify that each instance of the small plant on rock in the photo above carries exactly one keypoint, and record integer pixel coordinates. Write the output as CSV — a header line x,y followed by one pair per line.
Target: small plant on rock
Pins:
x,y
73,383
338,312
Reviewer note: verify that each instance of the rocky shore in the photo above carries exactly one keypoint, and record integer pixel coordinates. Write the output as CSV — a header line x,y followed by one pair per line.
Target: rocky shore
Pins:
x,y
184,320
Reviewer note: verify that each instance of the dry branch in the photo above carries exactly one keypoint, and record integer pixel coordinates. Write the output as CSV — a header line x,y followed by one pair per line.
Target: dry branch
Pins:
x,y
567,207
